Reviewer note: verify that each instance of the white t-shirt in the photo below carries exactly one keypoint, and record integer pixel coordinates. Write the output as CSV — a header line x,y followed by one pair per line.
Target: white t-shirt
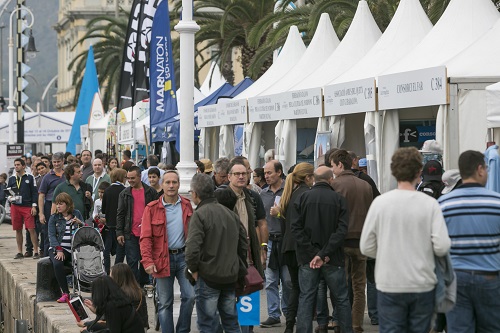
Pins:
x,y
403,231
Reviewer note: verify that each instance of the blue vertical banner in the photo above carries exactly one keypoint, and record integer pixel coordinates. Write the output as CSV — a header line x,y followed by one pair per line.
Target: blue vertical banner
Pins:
x,y
249,309
90,86
163,102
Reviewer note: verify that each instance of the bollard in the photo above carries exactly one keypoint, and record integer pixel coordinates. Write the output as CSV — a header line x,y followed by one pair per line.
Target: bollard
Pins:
x,y
21,326
47,289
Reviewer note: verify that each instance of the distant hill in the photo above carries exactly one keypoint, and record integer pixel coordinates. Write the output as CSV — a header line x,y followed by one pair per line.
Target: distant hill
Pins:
x,y
44,66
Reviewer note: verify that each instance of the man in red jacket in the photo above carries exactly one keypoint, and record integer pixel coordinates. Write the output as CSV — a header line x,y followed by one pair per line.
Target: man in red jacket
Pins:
x,y
163,237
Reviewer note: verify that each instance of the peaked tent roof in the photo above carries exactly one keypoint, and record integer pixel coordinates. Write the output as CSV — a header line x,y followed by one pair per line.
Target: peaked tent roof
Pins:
x,y
359,39
240,87
290,54
213,81
481,59
462,23
407,28
324,42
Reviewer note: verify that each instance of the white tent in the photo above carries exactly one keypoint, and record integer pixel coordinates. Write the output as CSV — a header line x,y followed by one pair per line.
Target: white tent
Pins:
x,y
462,24
407,28
363,33
290,54
324,42
493,106
213,81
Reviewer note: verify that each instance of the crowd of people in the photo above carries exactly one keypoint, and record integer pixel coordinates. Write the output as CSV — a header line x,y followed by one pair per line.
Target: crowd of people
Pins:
x,y
312,233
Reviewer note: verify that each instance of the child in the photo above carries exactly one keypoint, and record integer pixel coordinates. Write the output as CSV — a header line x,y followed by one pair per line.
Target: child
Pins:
x,y
99,218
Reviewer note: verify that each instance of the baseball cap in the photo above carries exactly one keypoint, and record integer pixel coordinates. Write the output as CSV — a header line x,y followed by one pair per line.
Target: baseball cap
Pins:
x,y
432,171
431,147
450,180
362,162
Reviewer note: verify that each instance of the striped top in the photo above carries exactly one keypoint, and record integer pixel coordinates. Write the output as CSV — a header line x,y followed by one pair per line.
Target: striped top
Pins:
x,y
472,215
66,241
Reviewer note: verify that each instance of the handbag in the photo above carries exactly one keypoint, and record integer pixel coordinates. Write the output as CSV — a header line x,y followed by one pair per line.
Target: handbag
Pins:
x,y
253,280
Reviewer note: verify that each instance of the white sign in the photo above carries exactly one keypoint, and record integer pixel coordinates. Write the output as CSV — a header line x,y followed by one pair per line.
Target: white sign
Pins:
x,y
297,104
126,133
207,116
350,97
232,112
423,87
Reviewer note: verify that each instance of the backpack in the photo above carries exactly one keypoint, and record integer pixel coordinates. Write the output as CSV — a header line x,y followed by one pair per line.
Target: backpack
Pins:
x,y
432,188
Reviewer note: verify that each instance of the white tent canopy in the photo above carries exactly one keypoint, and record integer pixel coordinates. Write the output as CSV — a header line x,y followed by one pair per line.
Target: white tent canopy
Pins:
x,y
359,39
407,28
481,59
213,80
290,54
462,23
324,42
493,105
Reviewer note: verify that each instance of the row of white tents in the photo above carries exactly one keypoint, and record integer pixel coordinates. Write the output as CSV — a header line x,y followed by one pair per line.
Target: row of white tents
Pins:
x,y
369,82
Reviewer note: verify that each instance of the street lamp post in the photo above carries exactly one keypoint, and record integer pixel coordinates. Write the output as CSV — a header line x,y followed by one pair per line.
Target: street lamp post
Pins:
x,y
11,107
186,29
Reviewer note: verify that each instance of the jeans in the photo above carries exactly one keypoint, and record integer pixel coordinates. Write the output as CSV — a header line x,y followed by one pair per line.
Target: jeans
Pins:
x,y
133,253
273,277
406,312
477,306
371,290
357,272
322,312
208,301
165,290
336,281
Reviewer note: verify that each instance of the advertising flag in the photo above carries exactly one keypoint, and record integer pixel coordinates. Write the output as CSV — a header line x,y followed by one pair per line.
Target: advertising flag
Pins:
x,y
163,102
90,87
134,79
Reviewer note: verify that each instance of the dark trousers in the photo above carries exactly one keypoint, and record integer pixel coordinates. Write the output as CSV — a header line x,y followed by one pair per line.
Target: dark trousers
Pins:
x,y
45,228
133,253
59,270
29,243
110,243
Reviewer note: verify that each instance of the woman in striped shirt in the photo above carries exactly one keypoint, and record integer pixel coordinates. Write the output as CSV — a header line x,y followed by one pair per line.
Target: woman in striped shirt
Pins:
x,y
61,226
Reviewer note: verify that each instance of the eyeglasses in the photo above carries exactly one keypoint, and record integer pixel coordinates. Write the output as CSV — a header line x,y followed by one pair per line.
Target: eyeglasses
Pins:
x,y
238,174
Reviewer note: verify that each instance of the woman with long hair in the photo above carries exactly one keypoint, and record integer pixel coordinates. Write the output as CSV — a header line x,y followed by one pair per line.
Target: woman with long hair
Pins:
x,y
297,182
112,164
60,228
123,276
110,301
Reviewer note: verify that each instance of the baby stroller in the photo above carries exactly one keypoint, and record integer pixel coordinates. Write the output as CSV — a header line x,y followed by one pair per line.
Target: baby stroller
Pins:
x,y
88,259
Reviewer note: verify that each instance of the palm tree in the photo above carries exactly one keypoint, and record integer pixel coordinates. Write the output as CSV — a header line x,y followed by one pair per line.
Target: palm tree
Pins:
x,y
109,34
225,25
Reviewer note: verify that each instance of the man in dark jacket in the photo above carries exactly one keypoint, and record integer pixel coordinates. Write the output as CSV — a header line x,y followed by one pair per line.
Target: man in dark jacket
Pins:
x,y
320,225
131,204
215,248
359,198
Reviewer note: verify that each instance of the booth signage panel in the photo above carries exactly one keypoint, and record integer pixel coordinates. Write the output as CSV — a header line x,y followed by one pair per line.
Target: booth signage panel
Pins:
x,y
126,133
350,97
13,152
423,87
232,112
47,135
297,104
207,116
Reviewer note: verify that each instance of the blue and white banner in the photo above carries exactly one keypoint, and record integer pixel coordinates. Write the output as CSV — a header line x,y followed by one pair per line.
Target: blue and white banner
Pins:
x,y
163,103
249,309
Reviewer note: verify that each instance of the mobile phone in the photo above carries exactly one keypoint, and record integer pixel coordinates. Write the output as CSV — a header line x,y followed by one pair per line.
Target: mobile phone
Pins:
x,y
76,306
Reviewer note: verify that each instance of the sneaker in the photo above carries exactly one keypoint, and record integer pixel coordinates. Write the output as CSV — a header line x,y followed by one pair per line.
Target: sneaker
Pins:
x,y
270,322
28,254
63,299
36,256
19,256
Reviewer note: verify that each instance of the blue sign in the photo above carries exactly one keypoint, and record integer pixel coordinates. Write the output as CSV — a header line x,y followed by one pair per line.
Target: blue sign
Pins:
x,y
249,309
238,139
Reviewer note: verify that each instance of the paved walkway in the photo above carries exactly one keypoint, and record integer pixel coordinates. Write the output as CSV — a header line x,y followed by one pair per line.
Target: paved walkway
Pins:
x,y
17,292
